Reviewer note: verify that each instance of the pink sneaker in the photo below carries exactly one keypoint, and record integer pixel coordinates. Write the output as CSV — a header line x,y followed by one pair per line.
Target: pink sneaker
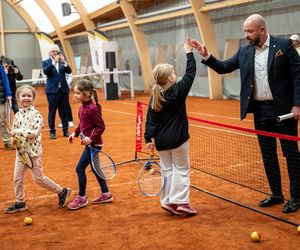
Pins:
x,y
103,198
172,208
186,208
78,202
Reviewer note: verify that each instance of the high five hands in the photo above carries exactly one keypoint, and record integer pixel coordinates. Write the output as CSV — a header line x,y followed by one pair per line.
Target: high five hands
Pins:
x,y
188,46
200,48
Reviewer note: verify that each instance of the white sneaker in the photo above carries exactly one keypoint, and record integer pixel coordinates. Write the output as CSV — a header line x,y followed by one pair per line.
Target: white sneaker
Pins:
x,y
60,125
71,124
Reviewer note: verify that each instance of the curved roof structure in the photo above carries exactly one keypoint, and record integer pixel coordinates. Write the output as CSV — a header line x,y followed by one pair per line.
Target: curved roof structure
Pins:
x,y
85,15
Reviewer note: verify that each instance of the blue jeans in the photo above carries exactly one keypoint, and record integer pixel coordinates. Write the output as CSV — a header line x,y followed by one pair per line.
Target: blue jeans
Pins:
x,y
82,164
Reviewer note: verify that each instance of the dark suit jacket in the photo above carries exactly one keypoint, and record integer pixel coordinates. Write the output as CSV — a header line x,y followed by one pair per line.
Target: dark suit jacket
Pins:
x,y
54,77
283,74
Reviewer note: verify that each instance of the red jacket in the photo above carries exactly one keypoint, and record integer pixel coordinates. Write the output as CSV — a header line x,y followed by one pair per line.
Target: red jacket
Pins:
x,y
91,123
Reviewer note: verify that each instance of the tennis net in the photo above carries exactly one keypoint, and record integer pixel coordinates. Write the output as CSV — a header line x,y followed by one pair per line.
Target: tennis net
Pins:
x,y
227,152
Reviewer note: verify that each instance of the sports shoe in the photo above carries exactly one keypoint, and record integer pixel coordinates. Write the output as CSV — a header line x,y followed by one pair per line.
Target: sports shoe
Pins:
x,y
66,134
172,208
60,125
103,198
9,146
63,197
78,202
71,124
186,208
16,207
52,136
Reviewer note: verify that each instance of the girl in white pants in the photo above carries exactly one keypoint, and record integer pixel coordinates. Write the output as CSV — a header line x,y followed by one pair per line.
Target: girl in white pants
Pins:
x,y
167,130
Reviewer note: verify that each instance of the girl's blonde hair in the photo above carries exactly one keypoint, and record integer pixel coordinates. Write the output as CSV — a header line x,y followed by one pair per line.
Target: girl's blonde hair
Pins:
x,y
161,72
19,90
88,88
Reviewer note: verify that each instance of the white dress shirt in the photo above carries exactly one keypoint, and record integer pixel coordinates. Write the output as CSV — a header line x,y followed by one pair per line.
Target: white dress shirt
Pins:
x,y
56,65
262,89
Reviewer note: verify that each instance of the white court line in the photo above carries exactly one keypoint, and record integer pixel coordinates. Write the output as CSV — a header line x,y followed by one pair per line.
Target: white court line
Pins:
x,y
51,195
195,113
128,103
220,116
119,112
76,191
224,130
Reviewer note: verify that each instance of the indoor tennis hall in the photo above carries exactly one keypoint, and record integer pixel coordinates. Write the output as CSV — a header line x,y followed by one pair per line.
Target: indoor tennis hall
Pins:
x,y
115,45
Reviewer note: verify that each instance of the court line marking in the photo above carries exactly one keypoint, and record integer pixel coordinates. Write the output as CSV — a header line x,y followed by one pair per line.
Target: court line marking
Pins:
x,y
224,130
220,116
119,112
195,113
76,191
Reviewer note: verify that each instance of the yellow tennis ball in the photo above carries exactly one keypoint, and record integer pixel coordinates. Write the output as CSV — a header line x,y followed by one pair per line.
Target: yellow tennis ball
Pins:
x,y
298,228
28,220
255,236
152,171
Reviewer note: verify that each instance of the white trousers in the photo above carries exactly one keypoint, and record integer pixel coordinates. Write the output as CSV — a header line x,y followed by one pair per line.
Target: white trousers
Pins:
x,y
175,167
3,126
36,174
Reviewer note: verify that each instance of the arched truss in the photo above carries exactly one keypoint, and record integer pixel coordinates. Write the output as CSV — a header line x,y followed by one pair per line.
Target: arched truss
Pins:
x,y
26,17
61,35
127,8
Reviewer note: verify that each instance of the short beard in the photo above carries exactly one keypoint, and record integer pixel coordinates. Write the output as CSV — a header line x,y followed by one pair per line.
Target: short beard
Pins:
x,y
254,42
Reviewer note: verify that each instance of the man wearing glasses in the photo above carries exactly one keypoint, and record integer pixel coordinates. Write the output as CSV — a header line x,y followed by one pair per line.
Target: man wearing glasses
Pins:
x,y
57,89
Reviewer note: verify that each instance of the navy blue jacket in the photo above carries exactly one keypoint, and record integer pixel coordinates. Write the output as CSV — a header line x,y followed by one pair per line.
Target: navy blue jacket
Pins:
x,y
283,74
54,78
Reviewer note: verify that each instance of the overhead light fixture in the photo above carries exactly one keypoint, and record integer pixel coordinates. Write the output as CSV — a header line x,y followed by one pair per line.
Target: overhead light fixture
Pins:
x,y
67,9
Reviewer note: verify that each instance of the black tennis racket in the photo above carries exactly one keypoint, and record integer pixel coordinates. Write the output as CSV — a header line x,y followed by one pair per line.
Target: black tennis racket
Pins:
x,y
102,164
150,180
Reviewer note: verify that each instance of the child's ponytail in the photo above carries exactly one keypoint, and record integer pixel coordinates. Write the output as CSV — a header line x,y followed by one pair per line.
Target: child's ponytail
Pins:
x,y
161,72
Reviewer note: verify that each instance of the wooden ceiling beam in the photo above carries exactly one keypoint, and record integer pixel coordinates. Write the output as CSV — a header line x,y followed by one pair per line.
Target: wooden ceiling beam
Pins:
x,y
88,23
224,4
207,34
23,14
61,35
140,43
104,10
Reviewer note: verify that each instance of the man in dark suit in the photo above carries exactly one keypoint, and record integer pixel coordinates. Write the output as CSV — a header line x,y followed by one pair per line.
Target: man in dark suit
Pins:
x,y
57,89
270,86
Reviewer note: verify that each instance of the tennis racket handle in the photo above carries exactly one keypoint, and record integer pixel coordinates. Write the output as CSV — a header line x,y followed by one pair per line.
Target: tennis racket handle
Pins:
x,y
284,117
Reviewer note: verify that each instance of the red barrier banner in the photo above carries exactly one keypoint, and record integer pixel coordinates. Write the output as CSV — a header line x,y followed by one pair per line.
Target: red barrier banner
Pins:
x,y
139,127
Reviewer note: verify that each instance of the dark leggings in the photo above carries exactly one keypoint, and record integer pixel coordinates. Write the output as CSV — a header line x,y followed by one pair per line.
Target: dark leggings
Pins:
x,y
82,164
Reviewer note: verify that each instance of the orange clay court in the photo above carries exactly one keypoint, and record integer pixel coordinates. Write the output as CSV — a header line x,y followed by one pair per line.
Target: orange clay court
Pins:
x,y
133,221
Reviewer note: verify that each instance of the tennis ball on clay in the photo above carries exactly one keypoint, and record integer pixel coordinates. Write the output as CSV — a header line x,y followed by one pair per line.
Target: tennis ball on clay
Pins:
x,y
152,171
256,237
298,229
28,220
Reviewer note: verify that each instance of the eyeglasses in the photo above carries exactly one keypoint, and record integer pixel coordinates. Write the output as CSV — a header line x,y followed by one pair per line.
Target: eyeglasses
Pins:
x,y
54,51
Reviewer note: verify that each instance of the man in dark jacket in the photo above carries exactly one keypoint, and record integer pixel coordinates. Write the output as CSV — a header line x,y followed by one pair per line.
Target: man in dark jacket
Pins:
x,y
57,89
13,73
270,86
